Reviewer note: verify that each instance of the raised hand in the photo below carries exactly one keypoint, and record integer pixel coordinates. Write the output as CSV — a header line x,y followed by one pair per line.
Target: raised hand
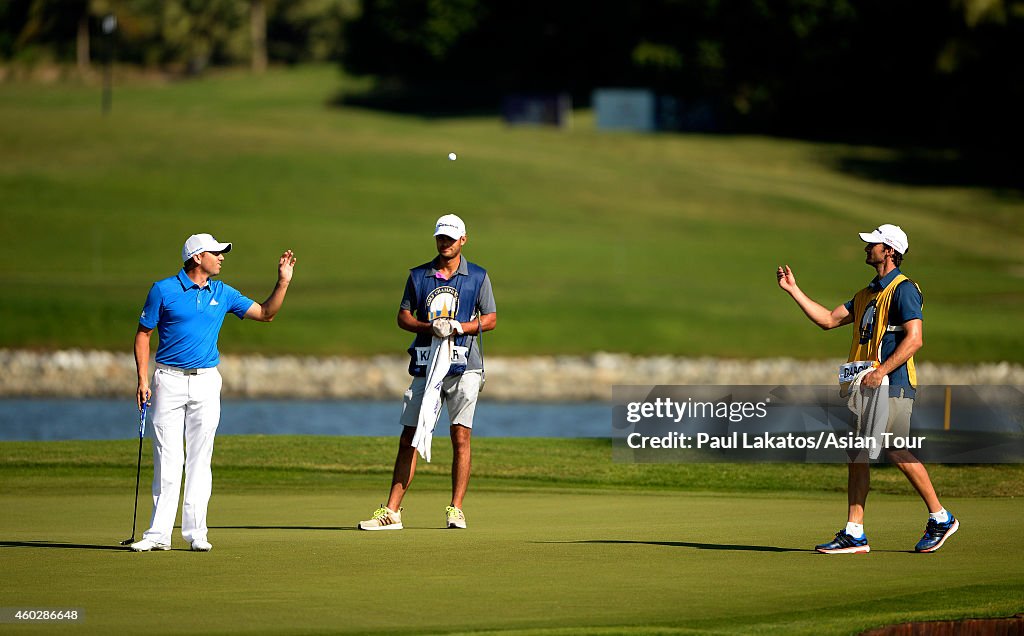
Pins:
x,y
286,266
786,279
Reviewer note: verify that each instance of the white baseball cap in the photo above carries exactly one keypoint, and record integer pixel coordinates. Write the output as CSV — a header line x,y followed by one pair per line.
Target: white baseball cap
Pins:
x,y
450,225
202,243
891,235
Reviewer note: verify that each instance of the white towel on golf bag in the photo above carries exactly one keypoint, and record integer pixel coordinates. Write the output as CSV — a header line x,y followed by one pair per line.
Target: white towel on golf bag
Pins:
x,y
430,409
872,410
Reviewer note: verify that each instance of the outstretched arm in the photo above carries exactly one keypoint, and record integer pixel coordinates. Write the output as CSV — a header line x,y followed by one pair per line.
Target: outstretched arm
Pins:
x,y
814,311
265,311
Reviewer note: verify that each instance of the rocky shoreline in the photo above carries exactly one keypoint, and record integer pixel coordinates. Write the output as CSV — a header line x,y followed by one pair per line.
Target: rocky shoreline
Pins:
x,y
78,373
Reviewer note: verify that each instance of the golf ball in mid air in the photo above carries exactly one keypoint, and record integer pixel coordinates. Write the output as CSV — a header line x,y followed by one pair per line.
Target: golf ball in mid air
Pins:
x,y
451,156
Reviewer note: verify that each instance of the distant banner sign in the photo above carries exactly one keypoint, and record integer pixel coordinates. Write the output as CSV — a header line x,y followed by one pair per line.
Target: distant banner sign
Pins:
x,y
642,110
814,424
538,110
625,109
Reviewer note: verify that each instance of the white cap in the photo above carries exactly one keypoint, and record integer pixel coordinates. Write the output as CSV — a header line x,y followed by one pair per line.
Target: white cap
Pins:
x,y
202,243
891,235
450,225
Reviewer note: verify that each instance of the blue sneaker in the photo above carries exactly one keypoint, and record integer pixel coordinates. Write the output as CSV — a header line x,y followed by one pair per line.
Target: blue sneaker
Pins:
x,y
844,544
935,534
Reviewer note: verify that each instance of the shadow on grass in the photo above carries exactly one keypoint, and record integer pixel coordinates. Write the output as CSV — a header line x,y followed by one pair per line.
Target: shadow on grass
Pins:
x,y
55,544
933,168
323,528
715,546
690,544
435,99
283,528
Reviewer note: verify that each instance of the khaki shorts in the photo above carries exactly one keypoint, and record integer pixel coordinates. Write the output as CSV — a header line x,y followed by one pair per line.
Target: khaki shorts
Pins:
x,y
459,392
900,409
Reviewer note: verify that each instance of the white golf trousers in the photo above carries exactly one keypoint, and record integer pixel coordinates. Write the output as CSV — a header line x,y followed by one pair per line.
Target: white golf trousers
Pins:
x,y
186,411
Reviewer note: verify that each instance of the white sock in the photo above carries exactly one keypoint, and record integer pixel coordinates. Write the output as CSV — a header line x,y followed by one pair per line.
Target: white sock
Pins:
x,y
941,516
855,530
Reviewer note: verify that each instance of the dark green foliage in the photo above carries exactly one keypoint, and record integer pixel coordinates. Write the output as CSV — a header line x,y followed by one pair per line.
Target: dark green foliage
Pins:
x,y
937,73
177,35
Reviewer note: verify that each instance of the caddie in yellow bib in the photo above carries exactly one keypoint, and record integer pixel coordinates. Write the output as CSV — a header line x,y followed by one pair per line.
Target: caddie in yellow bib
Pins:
x,y
880,380
875,336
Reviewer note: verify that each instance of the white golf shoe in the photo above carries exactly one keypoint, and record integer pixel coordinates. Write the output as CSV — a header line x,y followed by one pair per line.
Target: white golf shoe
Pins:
x,y
201,545
383,519
145,545
454,517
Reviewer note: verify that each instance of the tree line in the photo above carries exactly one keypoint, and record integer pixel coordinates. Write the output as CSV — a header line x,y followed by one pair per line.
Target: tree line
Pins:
x,y
174,35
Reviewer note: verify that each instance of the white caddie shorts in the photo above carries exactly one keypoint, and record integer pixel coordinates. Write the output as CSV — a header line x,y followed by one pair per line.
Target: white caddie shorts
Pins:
x,y
459,392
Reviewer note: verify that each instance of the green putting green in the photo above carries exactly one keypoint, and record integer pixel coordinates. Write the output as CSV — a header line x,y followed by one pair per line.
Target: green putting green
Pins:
x,y
537,558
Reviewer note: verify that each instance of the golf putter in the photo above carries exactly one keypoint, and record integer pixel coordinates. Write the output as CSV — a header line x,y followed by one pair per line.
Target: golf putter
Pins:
x,y
138,472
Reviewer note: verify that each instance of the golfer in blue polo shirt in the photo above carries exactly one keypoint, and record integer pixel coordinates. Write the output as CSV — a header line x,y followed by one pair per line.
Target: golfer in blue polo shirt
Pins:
x,y
188,310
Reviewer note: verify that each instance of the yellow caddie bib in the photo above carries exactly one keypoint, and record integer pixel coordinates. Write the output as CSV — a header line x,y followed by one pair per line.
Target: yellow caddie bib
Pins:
x,y
871,322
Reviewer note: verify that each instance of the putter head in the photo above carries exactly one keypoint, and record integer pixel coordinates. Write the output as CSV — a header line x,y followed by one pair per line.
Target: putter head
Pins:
x,y
128,541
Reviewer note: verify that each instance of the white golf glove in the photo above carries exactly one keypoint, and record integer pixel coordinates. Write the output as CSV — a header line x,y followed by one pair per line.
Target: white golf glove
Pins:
x,y
445,327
